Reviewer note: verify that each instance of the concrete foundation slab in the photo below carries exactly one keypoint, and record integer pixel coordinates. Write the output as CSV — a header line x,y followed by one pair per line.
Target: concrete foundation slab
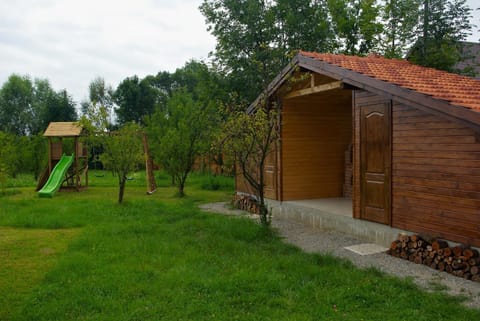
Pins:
x,y
336,214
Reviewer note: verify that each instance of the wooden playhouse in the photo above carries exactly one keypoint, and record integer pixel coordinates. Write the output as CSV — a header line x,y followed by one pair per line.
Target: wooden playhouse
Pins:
x,y
64,138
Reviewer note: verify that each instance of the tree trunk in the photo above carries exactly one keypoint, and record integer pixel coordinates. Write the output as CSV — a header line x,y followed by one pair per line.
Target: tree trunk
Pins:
x,y
264,214
122,179
263,209
181,187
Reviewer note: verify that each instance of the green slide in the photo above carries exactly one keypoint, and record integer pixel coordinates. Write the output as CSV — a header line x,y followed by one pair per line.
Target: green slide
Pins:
x,y
56,177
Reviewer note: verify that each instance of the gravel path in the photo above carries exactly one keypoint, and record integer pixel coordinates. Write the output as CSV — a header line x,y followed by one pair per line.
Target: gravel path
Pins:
x,y
330,241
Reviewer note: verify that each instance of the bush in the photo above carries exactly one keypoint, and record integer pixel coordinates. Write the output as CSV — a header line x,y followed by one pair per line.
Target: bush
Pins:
x,y
215,183
3,178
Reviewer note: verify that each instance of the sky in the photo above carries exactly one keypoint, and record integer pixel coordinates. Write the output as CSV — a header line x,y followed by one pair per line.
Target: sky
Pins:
x,y
71,42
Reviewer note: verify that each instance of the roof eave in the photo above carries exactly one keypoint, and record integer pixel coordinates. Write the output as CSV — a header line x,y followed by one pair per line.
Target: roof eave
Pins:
x,y
275,83
421,101
403,95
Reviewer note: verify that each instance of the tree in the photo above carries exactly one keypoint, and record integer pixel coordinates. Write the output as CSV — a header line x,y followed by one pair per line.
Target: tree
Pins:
x,y
10,154
122,152
42,93
3,177
135,99
355,24
443,24
246,49
122,149
16,98
400,18
304,25
249,139
180,134
162,84
204,84
35,152
100,93
26,107
60,107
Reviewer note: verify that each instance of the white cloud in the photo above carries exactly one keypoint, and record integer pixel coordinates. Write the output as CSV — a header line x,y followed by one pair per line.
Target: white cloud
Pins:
x,y
71,42
475,6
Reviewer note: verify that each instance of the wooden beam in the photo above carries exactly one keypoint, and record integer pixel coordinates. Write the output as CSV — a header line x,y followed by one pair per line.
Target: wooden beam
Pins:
x,y
313,90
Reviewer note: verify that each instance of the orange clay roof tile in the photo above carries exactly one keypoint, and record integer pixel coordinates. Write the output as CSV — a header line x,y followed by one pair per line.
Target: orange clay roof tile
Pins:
x,y
455,89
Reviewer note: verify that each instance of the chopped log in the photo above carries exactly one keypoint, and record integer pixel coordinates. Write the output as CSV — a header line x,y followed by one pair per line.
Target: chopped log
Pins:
x,y
461,260
438,259
476,278
474,270
474,261
414,237
441,266
469,253
439,244
403,237
448,268
418,259
458,273
458,250
447,251
457,265
395,244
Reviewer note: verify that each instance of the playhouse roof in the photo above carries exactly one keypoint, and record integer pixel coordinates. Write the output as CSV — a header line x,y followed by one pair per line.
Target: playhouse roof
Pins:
x,y
425,88
63,129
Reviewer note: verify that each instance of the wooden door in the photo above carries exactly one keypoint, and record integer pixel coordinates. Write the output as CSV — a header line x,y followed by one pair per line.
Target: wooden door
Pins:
x,y
375,168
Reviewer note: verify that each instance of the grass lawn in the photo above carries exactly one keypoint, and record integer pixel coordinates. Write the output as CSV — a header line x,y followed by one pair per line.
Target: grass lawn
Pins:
x,y
81,256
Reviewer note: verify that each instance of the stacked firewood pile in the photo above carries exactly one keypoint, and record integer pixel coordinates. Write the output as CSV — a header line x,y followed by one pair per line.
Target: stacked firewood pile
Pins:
x,y
460,260
246,203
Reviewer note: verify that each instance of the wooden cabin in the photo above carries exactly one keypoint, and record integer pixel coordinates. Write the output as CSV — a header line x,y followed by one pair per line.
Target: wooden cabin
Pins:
x,y
400,140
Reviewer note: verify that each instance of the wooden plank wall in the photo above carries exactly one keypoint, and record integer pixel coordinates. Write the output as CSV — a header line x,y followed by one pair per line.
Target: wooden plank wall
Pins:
x,y
316,130
436,176
270,190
